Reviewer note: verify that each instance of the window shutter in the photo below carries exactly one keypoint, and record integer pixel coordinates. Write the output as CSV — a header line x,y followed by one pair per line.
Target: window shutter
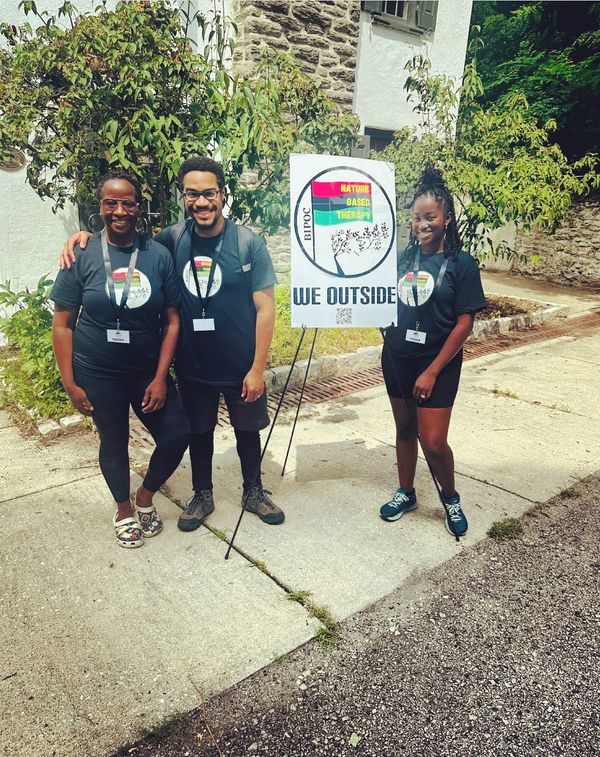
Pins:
x,y
426,15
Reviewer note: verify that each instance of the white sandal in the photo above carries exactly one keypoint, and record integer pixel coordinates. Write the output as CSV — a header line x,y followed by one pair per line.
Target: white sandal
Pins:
x,y
128,532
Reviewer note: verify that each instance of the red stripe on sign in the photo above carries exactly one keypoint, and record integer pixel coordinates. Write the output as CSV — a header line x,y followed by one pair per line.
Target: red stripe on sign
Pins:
x,y
340,188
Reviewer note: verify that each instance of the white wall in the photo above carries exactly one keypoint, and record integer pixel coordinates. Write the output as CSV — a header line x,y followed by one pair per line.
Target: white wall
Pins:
x,y
31,235
379,97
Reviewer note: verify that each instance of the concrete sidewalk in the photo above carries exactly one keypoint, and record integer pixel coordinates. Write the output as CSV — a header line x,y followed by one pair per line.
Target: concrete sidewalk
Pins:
x,y
102,644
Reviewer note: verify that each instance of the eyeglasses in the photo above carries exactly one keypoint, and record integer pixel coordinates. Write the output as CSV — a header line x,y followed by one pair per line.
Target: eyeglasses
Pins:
x,y
191,195
127,205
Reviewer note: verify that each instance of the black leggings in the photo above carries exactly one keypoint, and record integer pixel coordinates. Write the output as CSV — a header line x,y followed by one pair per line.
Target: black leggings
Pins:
x,y
111,398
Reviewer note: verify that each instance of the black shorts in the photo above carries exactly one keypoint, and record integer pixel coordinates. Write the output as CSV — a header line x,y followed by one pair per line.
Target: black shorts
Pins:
x,y
400,375
201,405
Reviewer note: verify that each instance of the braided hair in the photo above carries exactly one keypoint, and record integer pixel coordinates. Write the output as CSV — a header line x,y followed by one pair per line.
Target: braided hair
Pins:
x,y
432,184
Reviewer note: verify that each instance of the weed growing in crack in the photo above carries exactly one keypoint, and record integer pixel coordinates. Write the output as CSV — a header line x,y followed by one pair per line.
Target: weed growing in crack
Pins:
x,y
505,530
327,634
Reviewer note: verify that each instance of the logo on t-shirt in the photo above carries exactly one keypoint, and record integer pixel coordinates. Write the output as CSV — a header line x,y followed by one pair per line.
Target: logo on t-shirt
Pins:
x,y
203,265
139,291
424,286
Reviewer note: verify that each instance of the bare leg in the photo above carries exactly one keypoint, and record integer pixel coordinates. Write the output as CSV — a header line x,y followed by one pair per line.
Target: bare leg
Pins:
x,y
124,510
143,497
433,430
406,440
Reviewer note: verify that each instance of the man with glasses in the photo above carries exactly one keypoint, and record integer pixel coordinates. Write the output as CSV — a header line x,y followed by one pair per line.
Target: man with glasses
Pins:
x,y
228,315
227,280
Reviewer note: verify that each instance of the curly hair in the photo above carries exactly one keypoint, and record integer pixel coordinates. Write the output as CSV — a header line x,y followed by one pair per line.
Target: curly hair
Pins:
x,y
432,184
119,173
202,164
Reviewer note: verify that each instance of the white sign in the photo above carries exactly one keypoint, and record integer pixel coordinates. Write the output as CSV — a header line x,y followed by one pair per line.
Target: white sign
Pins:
x,y
343,228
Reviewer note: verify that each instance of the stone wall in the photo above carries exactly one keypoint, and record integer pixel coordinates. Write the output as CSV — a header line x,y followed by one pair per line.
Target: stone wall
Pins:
x,y
570,256
323,36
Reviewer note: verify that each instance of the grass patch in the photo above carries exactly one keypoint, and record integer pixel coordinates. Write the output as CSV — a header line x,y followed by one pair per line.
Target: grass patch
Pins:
x,y
569,493
505,530
329,341
261,565
302,597
505,393
222,535
327,637
339,341
327,634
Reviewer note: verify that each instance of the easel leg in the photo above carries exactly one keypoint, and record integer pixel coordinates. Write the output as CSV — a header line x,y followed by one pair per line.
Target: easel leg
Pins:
x,y
287,381
312,347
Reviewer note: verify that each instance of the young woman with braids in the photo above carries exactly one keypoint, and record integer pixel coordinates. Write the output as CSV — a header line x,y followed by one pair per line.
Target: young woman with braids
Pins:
x,y
439,292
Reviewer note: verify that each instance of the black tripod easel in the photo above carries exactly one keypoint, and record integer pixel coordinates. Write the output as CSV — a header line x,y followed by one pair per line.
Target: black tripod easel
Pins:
x,y
279,404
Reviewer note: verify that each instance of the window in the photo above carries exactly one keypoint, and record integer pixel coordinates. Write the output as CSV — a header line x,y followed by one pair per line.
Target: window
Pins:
x,y
414,16
379,139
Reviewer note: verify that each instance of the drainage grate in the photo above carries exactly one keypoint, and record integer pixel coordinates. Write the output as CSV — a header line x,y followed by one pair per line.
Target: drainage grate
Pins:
x,y
338,386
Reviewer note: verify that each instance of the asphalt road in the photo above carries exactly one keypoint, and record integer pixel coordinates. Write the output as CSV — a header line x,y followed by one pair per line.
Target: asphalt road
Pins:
x,y
494,653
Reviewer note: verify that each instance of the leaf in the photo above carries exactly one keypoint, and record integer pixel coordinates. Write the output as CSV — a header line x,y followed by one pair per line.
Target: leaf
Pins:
x,y
354,740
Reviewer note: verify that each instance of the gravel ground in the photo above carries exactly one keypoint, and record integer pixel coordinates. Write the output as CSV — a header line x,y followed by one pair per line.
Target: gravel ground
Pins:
x,y
495,653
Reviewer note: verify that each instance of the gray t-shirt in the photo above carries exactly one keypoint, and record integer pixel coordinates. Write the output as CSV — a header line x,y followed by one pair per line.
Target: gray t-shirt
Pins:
x,y
84,288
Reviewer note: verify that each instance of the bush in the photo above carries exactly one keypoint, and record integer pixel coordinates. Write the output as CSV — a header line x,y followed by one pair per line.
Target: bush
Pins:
x,y
28,365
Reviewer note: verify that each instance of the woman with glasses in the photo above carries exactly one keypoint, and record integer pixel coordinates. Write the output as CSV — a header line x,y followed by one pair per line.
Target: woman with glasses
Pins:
x,y
115,329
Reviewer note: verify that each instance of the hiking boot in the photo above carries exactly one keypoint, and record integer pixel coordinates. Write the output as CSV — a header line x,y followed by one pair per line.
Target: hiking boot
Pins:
x,y
402,502
263,506
198,508
456,520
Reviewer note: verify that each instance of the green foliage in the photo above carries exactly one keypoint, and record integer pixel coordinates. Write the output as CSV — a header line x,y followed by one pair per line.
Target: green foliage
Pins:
x,y
131,88
28,364
329,341
550,53
498,163
327,634
505,530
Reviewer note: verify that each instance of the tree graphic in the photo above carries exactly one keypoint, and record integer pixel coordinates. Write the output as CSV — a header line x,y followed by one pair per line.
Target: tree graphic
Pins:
x,y
355,242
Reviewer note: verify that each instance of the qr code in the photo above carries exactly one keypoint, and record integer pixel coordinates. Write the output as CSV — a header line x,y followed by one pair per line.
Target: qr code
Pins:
x,y
343,316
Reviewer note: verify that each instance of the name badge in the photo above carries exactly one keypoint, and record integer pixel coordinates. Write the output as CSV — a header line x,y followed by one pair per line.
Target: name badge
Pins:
x,y
247,267
118,337
204,324
416,336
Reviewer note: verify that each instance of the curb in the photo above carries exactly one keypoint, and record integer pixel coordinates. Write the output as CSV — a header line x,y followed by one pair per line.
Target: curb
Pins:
x,y
332,365
483,329
370,357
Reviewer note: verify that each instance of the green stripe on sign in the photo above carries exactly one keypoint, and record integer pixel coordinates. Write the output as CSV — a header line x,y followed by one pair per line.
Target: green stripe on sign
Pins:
x,y
349,215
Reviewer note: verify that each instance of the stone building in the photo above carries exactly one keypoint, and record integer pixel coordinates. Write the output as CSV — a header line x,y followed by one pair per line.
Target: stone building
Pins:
x,y
358,50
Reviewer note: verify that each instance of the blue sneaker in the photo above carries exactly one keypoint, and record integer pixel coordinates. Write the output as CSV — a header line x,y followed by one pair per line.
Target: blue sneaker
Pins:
x,y
402,502
456,520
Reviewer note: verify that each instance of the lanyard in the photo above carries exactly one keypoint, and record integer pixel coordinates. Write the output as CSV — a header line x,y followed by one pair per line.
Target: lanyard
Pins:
x,y
438,281
110,282
211,273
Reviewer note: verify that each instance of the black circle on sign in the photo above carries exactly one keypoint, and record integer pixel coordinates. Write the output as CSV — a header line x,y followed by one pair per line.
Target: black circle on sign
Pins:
x,y
331,273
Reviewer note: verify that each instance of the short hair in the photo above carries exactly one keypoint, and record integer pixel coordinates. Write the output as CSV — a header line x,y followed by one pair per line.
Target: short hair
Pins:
x,y
432,184
119,173
202,163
